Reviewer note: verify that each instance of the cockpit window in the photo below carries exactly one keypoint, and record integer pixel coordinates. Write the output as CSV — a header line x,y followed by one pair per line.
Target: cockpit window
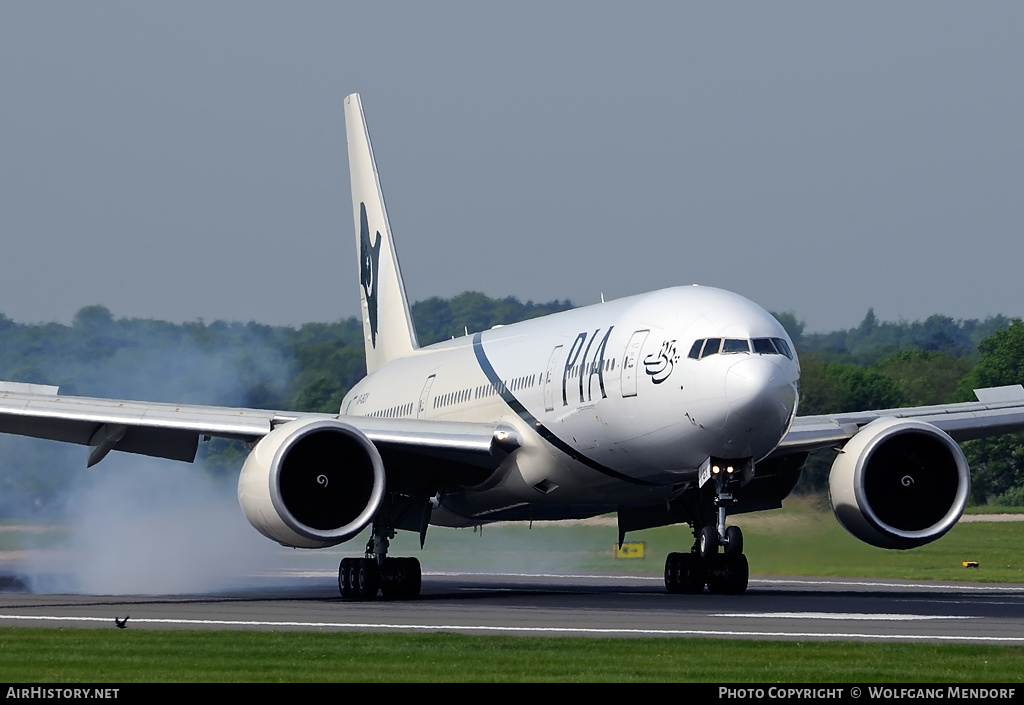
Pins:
x,y
783,347
711,346
761,346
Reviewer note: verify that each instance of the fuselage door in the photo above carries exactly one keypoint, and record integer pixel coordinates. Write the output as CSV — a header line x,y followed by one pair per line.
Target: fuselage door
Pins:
x,y
549,379
630,362
424,395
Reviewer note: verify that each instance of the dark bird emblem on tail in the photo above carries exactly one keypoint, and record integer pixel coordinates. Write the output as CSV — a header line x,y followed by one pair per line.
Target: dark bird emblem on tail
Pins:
x,y
369,260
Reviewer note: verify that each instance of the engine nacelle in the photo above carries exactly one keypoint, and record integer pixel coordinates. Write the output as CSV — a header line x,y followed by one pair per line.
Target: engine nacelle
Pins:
x,y
899,483
311,483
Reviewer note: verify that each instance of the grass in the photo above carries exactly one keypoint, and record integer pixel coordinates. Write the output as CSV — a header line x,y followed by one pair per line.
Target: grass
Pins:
x,y
111,656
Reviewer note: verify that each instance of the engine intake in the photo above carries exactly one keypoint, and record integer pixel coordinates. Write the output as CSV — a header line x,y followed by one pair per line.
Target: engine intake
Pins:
x,y
311,483
899,483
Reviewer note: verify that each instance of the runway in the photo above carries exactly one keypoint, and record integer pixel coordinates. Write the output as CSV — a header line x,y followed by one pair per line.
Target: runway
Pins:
x,y
569,605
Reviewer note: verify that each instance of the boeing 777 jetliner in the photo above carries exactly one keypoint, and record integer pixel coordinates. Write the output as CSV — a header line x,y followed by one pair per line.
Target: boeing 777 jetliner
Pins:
x,y
673,407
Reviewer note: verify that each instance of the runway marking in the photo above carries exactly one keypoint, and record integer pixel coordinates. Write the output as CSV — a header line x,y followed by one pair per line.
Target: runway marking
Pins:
x,y
521,630
864,583
753,581
847,616
971,603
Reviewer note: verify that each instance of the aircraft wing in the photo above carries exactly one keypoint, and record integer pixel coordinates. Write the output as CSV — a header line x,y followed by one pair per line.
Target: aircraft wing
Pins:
x,y
173,430
998,410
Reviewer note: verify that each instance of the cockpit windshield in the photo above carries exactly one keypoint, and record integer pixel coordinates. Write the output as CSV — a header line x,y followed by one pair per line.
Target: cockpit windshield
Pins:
x,y
760,346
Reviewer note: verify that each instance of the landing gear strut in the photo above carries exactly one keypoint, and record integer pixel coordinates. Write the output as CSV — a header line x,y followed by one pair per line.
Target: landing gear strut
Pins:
x,y
726,572
394,578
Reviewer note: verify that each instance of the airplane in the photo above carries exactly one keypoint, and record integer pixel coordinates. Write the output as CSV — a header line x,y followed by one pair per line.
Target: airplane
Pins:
x,y
672,407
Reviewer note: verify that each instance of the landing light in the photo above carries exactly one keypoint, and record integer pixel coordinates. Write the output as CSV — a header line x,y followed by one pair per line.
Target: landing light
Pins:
x,y
730,469
716,469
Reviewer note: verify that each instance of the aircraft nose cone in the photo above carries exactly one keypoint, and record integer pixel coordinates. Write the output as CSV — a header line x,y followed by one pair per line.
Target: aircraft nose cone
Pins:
x,y
762,396
752,387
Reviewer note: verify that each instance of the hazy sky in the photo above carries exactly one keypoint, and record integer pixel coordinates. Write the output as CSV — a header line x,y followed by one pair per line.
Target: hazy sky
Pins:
x,y
187,160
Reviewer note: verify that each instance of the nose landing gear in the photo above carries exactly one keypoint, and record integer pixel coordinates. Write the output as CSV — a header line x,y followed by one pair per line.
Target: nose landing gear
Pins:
x,y
726,572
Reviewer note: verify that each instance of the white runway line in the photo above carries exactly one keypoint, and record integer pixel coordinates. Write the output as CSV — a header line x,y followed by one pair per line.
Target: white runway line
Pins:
x,y
848,616
498,629
863,583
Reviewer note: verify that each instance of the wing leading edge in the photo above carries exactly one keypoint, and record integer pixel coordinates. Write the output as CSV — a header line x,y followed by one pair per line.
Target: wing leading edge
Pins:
x,y
173,430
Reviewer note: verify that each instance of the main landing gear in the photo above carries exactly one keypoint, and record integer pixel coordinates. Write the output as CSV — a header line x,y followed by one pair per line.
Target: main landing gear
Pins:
x,y
394,578
362,578
725,572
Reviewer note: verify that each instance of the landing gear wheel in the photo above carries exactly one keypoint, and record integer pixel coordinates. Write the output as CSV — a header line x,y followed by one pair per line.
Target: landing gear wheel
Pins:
x,y
413,578
367,579
707,542
684,574
740,575
400,578
728,575
733,541
345,578
672,573
358,578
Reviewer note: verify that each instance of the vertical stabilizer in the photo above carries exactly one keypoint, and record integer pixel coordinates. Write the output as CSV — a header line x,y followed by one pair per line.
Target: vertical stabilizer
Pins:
x,y
388,331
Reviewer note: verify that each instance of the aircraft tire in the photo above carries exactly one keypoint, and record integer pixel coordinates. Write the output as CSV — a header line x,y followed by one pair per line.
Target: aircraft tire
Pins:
x,y
345,578
672,583
707,542
401,578
367,579
739,574
733,541
728,575
413,578
684,574
692,574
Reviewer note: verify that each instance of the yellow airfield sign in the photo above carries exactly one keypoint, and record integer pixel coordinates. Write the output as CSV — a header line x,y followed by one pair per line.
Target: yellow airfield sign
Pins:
x,y
629,550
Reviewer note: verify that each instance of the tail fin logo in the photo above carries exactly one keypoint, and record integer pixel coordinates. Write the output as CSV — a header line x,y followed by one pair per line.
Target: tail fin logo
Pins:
x,y
369,259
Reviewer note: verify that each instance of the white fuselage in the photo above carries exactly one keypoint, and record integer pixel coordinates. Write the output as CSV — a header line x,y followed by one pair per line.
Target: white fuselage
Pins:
x,y
611,407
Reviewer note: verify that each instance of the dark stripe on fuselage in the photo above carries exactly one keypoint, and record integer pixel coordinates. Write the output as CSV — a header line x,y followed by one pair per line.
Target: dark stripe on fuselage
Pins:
x,y
543,431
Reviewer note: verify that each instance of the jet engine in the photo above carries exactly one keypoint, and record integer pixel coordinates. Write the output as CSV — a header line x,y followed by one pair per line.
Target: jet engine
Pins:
x,y
311,483
899,483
